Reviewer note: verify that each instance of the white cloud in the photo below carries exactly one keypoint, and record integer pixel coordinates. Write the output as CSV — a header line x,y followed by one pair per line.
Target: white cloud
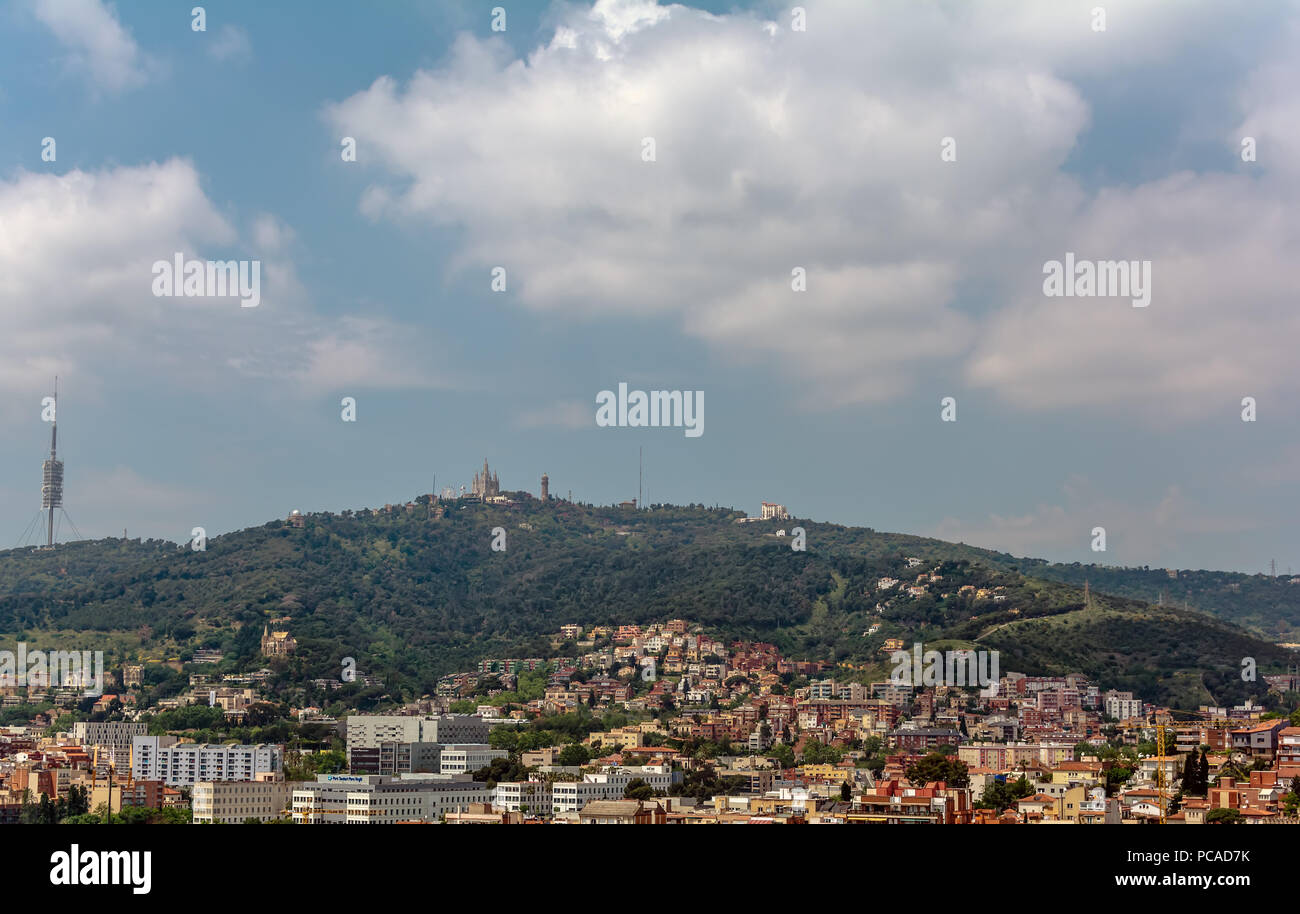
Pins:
x,y
96,41
778,149
77,253
231,43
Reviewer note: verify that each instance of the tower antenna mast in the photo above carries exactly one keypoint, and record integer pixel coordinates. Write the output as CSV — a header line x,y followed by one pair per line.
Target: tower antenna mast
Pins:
x,y
52,474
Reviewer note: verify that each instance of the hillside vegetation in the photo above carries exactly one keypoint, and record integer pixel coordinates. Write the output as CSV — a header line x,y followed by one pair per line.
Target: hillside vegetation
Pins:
x,y
412,597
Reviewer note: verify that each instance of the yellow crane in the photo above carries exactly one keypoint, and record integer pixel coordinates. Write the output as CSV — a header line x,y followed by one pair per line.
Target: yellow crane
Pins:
x,y
1160,768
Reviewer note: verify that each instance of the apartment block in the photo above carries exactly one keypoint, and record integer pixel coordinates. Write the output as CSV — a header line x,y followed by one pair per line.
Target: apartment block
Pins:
x,y
371,799
237,801
108,732
186,764
370,731
572,796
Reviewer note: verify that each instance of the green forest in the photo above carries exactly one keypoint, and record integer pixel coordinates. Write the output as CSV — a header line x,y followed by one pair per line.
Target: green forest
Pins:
x,y
413,596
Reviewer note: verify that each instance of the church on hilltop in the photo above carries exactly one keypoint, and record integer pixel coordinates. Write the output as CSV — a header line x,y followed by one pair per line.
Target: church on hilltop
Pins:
x,y
486,484
277,644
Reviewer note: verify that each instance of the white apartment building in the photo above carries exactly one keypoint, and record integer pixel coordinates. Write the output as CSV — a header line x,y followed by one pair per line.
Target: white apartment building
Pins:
x,y
610,784
157,758
236,801
372,799
514,796
466,758
1123,708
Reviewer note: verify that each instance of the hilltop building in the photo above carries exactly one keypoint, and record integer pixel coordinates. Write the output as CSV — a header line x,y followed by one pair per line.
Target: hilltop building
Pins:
x,y
277,644
486,484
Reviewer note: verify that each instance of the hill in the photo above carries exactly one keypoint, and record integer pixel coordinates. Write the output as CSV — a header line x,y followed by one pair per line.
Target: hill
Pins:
x,y
1267,606
413,596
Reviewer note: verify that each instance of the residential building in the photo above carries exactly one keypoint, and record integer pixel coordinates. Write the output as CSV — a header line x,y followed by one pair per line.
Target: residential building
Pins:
x,y
622,812
114,733
466,758
189,763
371,799
238,801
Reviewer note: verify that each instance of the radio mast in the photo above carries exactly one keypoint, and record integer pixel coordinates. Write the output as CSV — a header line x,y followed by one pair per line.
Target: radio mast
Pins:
x,y
52,475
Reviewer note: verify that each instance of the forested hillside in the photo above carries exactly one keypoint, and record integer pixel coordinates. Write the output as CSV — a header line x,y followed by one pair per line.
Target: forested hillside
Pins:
x,y
413,596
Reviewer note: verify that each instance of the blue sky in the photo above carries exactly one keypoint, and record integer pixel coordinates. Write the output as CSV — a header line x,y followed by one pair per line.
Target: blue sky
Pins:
x,y
775,148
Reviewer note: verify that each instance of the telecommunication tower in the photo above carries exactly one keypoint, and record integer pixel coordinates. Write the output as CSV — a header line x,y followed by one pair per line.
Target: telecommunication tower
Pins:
x,y
52,474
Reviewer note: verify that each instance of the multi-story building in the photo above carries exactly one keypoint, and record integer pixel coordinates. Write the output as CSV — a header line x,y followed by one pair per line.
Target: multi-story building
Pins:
x,y
923,739
116,733
1288,746
237,801
373,729
891,803
1008,756
1122,705
1260,740
610,784
155,759
524,796
397,743
142,794
371,799
395,758
466,758
822,689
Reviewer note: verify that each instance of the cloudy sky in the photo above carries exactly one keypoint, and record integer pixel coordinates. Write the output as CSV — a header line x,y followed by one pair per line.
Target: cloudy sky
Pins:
x,y
775,148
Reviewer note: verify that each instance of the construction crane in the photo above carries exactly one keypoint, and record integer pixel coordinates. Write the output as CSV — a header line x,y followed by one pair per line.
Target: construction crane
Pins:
x,y
1160,769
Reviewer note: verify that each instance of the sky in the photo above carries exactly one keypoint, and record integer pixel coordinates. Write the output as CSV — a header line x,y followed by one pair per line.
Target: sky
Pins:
x,y
912,167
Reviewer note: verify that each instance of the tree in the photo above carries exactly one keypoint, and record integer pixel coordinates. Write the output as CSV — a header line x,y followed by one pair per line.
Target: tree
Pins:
x,y
78,801
846,791
815,752
574,754
29,814
938,767
1221,816
782,754
638,789
1000,794
501,769
703,783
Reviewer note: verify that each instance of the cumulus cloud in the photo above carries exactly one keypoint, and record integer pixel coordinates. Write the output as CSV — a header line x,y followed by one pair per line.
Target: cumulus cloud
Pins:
x,y
97,43
77,252
777,149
